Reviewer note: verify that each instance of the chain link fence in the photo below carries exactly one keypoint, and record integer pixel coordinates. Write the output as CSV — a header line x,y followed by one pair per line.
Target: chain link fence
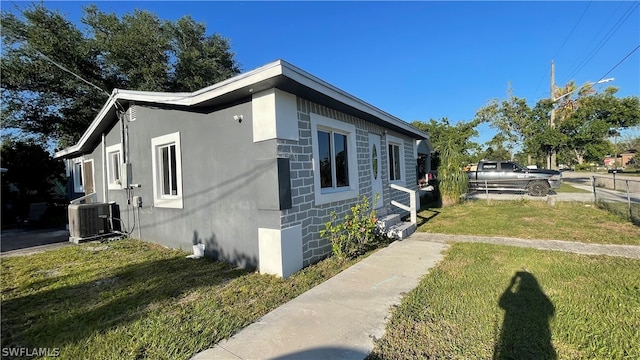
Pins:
x,y
618,195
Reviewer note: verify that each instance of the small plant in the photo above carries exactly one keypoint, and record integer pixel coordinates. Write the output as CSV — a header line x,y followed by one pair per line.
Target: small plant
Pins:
x,y
356,233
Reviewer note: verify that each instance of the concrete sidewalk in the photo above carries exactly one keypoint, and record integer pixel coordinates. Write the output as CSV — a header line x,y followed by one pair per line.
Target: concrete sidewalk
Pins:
x,y
340,318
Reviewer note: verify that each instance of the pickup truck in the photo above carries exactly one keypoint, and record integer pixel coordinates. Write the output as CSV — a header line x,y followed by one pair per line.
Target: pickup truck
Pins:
x,y
511,176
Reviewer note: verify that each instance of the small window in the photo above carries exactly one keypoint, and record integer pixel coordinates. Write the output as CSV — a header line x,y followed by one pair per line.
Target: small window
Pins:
x,y
77,177
394,162
167,169
334,157
396,159
114,166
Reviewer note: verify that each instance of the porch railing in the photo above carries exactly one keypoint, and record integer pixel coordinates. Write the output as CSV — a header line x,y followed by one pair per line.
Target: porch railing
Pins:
x,y
414,202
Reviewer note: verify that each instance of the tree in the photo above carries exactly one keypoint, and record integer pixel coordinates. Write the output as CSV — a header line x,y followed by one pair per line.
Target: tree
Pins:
x,y
459,135
454,150
136,51
31,169
587,125
495,149
511,117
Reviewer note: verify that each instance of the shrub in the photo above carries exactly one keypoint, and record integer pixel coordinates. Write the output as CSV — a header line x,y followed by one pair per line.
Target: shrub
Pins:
x,y
357,233
453,180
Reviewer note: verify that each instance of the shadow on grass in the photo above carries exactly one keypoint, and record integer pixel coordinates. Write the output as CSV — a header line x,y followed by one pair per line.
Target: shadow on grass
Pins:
x,y
422,219
525,330
68,314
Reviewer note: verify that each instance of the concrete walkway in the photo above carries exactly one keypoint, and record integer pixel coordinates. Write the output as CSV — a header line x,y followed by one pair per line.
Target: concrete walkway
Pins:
x,y
628,251
340,318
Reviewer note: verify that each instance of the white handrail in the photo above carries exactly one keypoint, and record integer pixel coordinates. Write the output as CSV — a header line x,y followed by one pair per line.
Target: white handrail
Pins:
x,y
93,198
414,202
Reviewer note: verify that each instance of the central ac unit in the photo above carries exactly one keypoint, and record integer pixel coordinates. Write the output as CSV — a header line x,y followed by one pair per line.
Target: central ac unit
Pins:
x,y
87,221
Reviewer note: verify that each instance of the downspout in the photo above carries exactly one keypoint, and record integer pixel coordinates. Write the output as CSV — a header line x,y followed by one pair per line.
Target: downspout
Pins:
x,y
105,175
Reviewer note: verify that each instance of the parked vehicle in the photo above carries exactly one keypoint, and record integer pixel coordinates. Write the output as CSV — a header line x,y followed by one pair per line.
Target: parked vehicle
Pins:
x,y
511,176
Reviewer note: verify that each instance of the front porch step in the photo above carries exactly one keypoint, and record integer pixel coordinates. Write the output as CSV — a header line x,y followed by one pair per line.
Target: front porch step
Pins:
x,y
402,230
388,221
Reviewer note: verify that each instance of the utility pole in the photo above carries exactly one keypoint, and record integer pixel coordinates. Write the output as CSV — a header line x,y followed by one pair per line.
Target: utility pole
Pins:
x,y
551,158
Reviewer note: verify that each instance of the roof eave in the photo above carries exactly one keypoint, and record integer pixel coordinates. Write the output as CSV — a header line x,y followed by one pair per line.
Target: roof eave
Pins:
x,y
246,80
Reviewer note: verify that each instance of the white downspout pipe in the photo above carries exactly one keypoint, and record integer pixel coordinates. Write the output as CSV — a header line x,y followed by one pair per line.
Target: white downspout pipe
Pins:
x,y
105,175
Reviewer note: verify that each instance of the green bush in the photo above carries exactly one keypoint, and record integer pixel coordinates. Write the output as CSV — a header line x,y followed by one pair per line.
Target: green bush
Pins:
x,y
453,180
357,233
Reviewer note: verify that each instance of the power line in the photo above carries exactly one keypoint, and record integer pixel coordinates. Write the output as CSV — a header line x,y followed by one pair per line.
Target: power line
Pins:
x,y
605,39
563,44
70,72
620,62
572,30
25,41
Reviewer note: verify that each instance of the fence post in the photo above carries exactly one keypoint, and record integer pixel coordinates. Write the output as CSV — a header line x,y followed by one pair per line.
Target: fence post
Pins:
x,y
628,199
593,185
486,189
614,179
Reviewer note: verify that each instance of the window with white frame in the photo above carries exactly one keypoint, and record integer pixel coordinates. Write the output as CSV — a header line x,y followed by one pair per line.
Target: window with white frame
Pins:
x,y
334,159
167,171
77,176
396,159
114,166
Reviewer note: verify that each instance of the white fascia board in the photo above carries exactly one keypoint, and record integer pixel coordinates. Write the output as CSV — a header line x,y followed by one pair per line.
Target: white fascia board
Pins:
x,y
273,69
92,127
321,86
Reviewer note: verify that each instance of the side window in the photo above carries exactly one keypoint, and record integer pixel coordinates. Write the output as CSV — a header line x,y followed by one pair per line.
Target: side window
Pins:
x,y
333,146
114,166
78,185
395,147
490,167
167,171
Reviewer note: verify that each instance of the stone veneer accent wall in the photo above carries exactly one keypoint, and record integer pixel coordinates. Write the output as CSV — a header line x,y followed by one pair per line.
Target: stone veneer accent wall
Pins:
x,y
304,210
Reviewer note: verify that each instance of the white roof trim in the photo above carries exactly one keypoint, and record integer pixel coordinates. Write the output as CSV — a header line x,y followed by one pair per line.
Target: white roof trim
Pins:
x,y
271,70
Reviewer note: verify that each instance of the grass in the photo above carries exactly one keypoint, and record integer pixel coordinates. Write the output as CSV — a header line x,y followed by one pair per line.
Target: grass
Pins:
x,y
566,188
129,299
531,220
623,210
486,301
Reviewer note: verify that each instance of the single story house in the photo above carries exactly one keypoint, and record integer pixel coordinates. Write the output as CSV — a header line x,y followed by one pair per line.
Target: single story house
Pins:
x,y
624,159
251,167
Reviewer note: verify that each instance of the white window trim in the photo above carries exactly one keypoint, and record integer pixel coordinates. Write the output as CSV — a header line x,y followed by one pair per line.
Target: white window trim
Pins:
x,y
77,186
392,140
159,200
324,196
110,150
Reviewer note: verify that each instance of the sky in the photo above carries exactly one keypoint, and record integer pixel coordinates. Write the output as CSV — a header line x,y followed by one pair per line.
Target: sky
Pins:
x,y
423,60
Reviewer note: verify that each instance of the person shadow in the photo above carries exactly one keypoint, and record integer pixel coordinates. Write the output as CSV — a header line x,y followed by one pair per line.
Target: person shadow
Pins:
x,y
525,332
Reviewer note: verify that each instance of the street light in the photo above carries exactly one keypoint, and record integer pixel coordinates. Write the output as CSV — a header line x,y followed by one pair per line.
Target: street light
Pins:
x,y
589,83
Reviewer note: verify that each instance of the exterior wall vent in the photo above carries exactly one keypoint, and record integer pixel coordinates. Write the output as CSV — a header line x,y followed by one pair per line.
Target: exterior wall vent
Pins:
x,y
88,221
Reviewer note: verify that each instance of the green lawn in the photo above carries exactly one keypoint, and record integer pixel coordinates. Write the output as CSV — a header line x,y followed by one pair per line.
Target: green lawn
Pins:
x,y
129,299
566,188
486,301
531,220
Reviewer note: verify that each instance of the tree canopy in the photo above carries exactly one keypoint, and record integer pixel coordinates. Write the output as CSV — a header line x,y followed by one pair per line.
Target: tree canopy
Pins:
x,y
56,75
582,126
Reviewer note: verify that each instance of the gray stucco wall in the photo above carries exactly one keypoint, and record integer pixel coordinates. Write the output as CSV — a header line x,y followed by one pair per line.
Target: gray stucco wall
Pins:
x,y
311,216
220,169
227,180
